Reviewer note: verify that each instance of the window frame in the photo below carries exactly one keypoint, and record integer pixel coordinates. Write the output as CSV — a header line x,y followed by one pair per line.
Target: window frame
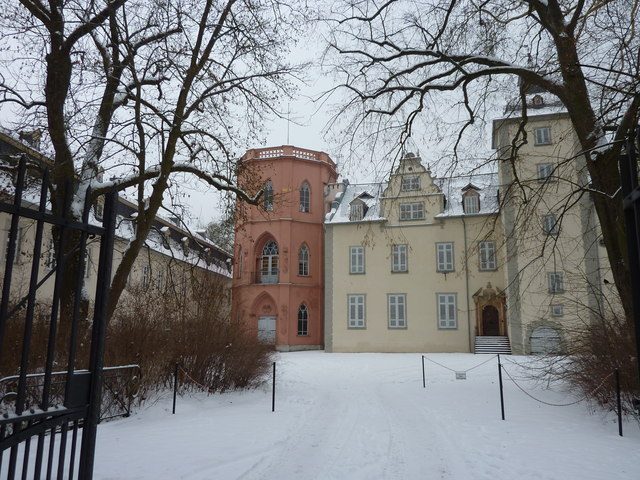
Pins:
x,y
50,254
267,202
557,310
555,283
359,302
305,197
487,256
441,267
447,323
471,200
547,227
303,320
410,184
303,260
544,138
410,211
356,212
544,172
399,258
356,260
396,302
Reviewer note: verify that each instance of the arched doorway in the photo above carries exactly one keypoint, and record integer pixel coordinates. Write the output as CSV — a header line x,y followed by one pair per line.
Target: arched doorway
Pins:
x,y
265,314
490,321
490,312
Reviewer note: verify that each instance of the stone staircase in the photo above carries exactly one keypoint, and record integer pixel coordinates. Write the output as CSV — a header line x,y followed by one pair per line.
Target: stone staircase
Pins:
x,y
492,345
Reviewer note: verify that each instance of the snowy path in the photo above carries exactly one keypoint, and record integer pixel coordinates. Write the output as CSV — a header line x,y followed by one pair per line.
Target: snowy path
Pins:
x,y
366,416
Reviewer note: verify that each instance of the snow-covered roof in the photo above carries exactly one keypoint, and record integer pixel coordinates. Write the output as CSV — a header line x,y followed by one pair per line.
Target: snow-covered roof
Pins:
x,y
367,193
164,238
486,185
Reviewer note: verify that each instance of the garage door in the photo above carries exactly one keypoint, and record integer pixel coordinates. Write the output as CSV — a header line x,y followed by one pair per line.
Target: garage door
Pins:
x,y
267,330
545,340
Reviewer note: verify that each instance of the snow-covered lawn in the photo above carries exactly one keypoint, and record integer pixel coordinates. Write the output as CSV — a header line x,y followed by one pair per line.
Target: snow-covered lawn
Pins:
x,y
367,416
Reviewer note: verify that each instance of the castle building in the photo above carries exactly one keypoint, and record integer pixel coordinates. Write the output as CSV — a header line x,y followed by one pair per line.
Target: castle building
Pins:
x,y
278,284
510,261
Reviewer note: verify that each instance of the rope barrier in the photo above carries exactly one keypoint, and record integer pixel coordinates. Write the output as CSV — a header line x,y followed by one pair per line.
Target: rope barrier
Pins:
x,y
203,387
557,404
464,371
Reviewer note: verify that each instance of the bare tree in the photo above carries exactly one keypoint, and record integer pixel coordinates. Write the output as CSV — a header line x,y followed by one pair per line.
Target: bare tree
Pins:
x,y
142,90
398,55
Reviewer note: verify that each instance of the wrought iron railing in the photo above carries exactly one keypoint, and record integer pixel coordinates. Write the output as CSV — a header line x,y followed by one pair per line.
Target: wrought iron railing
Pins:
x,y
119,390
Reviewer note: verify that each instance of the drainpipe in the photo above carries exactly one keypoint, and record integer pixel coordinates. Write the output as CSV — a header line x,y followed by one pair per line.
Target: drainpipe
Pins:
x,y
466,279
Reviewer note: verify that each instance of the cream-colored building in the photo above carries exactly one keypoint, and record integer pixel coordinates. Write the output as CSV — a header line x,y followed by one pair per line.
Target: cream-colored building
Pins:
x,y
470,263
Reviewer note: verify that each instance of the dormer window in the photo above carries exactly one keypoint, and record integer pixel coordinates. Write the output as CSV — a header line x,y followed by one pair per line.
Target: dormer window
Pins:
x,y
471,203
356,212
470,199
410,184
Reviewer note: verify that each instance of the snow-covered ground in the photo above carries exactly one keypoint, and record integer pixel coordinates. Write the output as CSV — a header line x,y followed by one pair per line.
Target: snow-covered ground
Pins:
x,y
367,416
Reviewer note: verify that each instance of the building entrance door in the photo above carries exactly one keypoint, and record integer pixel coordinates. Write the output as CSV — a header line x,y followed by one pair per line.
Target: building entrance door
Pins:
x,y
267,330
490,321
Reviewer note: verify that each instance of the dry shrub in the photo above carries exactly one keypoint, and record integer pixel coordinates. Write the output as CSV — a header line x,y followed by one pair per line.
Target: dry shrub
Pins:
x,y
596,350
157,329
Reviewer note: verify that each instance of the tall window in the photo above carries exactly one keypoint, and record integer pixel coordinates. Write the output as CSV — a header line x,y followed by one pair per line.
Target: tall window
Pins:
x,y
542,135
50,258
240,264
410,184
545,172
269,263
268,196
145,275
17,257
487,252
550,224
447,310
555,282
356,259
356,311
399,258
303,320
397,307
444,253
412,211
303,261
471,203
305,198
87,263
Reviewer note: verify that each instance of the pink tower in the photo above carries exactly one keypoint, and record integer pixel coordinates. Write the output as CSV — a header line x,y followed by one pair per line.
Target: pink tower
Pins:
x,y
278,284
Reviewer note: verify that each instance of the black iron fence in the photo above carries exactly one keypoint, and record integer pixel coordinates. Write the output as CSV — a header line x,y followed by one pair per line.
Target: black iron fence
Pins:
x,y
40,428
631,205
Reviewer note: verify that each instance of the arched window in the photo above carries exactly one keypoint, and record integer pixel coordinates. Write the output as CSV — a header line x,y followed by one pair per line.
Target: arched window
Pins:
x,y
303,320
305,198
269,263
303,261
268,196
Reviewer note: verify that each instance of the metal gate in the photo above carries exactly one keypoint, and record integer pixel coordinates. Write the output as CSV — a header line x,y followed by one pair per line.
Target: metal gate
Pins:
x,y
631,205
45,438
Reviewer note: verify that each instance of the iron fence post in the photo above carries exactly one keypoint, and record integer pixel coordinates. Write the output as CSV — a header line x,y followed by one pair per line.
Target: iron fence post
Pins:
x,y
175,387
501,392
619,402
